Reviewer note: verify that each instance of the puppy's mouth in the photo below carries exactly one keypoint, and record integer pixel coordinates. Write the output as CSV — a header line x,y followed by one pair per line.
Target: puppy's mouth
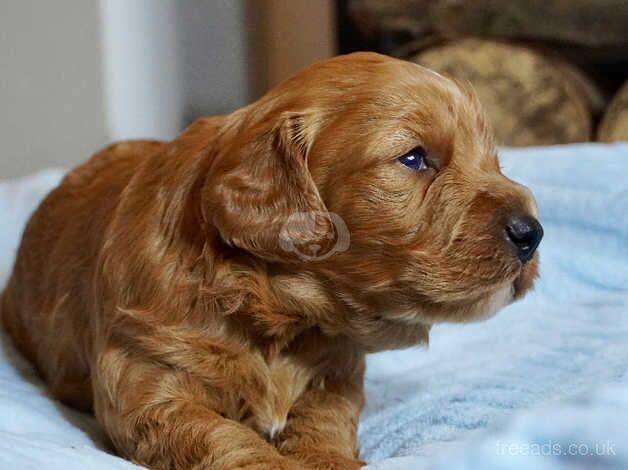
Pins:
x,y
524,280
513,289
477,305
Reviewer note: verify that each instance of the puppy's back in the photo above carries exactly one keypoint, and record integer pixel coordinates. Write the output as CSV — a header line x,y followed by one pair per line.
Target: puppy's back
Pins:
x,y
46,303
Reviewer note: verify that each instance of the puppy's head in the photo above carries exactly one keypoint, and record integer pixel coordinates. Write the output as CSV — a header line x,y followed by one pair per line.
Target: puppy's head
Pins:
x,y
381,178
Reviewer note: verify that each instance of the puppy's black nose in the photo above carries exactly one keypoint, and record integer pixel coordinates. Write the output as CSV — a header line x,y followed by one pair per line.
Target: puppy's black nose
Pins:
x,y
524,232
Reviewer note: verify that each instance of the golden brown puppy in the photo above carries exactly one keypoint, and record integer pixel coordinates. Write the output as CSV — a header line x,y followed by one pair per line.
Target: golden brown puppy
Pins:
x,y
212,298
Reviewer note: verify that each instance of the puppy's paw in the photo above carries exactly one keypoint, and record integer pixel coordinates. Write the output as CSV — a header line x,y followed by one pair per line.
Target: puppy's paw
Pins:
x,y
342,463
329,461
279,463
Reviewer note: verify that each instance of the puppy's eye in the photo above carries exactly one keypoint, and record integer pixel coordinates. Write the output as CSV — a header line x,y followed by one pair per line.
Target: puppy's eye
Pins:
x,y
415,159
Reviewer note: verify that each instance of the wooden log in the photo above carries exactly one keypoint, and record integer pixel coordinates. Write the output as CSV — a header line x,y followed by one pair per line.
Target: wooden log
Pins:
x,y
597,28
529,98
614,124
373,17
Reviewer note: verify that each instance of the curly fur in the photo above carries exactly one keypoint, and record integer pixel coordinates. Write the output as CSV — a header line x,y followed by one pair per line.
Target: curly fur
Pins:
x,y
152,288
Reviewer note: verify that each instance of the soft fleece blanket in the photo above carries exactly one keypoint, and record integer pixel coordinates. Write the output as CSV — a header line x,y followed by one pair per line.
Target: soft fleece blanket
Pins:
x,y
541,385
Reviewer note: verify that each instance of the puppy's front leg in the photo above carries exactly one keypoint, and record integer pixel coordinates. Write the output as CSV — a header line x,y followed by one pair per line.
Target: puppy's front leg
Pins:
x,y
322,428
164,418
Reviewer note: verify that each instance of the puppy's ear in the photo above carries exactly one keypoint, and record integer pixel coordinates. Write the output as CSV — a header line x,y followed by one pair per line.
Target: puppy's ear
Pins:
x,y
260,183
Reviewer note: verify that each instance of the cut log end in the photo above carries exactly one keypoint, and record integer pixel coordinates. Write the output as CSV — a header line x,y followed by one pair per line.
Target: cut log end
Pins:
x,y
528,97
614,125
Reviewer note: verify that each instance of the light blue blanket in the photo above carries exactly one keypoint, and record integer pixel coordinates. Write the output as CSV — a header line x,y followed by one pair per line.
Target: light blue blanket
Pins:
x,y
541,385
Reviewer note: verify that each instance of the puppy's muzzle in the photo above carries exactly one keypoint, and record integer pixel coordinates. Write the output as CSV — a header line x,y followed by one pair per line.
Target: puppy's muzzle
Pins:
x,y
524,233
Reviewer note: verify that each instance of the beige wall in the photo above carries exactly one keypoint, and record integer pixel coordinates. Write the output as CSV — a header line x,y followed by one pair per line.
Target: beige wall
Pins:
x,y
51,110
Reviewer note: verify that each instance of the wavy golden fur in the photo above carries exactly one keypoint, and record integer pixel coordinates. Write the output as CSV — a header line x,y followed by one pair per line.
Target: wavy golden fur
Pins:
x,y
153,286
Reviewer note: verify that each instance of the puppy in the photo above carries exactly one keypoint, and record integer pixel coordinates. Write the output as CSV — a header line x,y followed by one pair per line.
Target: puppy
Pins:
x,y
212,298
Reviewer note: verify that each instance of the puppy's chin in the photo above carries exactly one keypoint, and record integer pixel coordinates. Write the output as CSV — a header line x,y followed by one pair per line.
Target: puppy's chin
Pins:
x,y
489,305
475,309
525,280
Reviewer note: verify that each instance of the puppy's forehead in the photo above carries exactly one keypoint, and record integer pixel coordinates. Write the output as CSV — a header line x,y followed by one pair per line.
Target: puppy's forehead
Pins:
x,y
437,112
413,77
410,105
388,106
414,91
361,77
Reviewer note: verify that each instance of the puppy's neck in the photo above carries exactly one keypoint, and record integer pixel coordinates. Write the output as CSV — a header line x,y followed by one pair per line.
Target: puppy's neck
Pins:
x,y
274,307
303,301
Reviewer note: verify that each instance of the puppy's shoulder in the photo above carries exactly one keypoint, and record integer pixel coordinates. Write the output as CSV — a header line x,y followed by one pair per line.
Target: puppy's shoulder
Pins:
x,y
113,161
